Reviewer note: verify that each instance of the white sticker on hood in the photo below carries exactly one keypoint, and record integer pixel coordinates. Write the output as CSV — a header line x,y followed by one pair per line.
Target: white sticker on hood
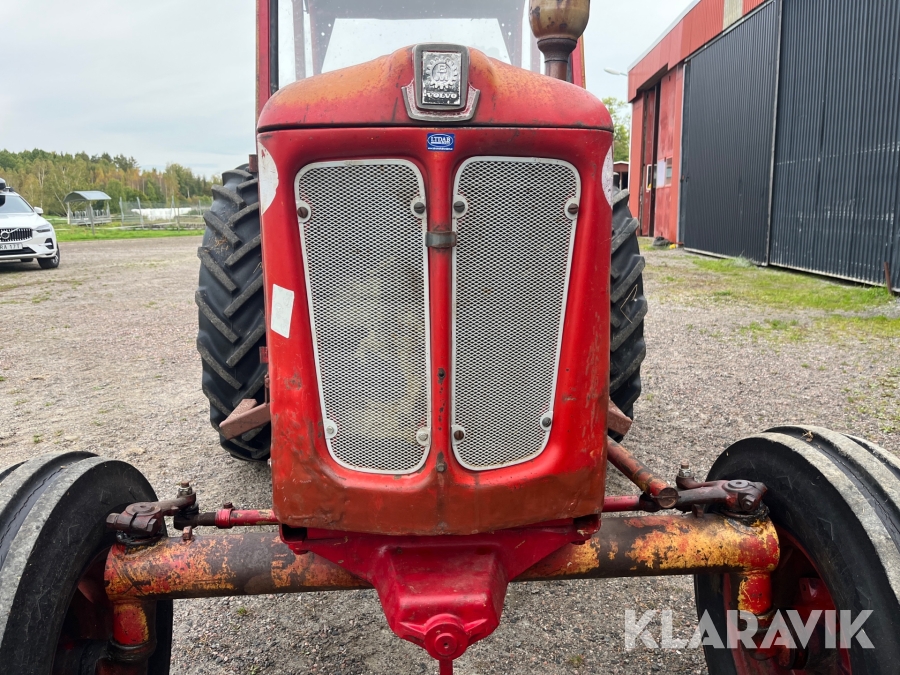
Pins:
x,y
282,310
268,178
608,171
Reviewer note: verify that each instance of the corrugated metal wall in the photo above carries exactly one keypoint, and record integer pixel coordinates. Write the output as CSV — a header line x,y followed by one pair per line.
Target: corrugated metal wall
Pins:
x,y
729,101
750,5
836,206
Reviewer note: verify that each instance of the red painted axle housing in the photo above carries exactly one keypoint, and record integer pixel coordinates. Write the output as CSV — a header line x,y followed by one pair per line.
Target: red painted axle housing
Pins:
x,y
567,479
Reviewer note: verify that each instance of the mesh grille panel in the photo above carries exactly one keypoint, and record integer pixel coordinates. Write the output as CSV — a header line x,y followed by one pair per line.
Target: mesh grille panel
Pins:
x,y
511,275
364,254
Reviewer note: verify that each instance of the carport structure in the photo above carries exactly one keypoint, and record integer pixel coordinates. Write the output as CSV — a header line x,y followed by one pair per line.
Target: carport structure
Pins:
x,y
89,215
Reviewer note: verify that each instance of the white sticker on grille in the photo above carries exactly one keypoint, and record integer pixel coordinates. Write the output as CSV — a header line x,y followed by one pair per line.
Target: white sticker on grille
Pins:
x,y
364,254
268,178
511,269
282,310
609,169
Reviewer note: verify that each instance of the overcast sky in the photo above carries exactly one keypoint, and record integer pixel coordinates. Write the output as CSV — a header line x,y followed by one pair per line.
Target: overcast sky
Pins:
x,y
173,80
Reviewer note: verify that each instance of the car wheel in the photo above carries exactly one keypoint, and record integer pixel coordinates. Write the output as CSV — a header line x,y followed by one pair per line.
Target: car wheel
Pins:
x,y
49,263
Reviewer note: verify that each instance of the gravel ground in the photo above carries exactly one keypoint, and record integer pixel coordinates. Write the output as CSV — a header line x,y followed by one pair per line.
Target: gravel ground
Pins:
x,y
99,355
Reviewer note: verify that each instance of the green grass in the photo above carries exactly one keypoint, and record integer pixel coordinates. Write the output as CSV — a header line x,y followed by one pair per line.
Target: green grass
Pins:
x,y
860,326
790,331
790,290
104,233
797,305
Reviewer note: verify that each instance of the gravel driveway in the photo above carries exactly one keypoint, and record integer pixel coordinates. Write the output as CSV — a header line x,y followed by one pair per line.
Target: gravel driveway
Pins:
x,y
99,355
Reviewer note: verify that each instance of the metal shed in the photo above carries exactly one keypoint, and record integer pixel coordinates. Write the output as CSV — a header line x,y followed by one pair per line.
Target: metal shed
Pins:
x,y
770,129
89,215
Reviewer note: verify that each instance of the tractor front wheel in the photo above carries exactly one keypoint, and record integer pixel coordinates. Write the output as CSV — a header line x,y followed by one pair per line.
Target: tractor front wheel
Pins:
x,y
54,612
835,503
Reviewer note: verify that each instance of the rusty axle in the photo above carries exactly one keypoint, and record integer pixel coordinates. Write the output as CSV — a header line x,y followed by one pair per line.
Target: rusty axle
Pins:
x,y
255,563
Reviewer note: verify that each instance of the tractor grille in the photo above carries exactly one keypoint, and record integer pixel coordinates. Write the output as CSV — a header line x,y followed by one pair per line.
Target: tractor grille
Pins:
x,y
364,255
511,275
19,234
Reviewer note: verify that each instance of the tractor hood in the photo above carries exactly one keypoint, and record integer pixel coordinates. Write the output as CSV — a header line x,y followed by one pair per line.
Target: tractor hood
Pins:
x,y
373,94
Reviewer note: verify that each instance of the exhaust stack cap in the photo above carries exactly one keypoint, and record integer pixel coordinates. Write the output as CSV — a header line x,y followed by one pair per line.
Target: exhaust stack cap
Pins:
x,y
557,25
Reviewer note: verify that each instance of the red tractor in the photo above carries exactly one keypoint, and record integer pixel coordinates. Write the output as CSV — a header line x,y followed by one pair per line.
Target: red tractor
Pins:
x,y
422,299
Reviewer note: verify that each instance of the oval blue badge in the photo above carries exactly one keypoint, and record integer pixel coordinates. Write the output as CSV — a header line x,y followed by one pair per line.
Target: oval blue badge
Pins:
x,y
442,142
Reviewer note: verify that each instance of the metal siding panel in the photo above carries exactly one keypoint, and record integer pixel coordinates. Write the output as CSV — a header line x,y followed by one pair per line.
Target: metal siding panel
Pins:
x,y
836,197
637,144
750,5
665,195
657,60
728,126
673,234
702,24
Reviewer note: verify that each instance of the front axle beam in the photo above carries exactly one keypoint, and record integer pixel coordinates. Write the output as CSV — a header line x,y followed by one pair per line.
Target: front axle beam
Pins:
x,y
257,563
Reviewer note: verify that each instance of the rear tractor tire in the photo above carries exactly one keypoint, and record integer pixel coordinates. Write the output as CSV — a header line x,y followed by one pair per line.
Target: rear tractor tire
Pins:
x,y
54,612
232,325
628,307
835,503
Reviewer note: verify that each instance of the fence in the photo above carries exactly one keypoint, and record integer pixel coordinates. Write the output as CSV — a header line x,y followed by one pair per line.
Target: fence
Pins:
x,y
85,217
160,215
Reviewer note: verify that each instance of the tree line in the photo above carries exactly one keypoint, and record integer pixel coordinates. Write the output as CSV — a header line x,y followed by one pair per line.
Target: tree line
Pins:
x,y
45,178
621,116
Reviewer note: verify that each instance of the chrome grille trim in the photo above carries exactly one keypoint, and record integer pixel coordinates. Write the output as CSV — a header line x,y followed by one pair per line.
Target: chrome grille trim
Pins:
x,y
506,347
15,234
365,262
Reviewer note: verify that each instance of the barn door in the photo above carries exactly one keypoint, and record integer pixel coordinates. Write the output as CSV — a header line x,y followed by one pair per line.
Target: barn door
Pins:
x,y
648,160
729,104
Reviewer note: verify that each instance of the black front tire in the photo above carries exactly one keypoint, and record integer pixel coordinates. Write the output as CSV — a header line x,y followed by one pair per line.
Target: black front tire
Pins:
x,y
53,539
836,505
49,263
232,325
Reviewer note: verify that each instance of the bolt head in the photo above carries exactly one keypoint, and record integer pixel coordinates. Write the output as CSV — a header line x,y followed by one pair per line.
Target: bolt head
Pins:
x,y
422,436
419,207
459,206
458,435
227,505
572,208
303,212
546,421
331,429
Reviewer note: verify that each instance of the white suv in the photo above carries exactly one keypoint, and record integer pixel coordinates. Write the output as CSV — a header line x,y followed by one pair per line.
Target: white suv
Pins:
x,y
24,235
